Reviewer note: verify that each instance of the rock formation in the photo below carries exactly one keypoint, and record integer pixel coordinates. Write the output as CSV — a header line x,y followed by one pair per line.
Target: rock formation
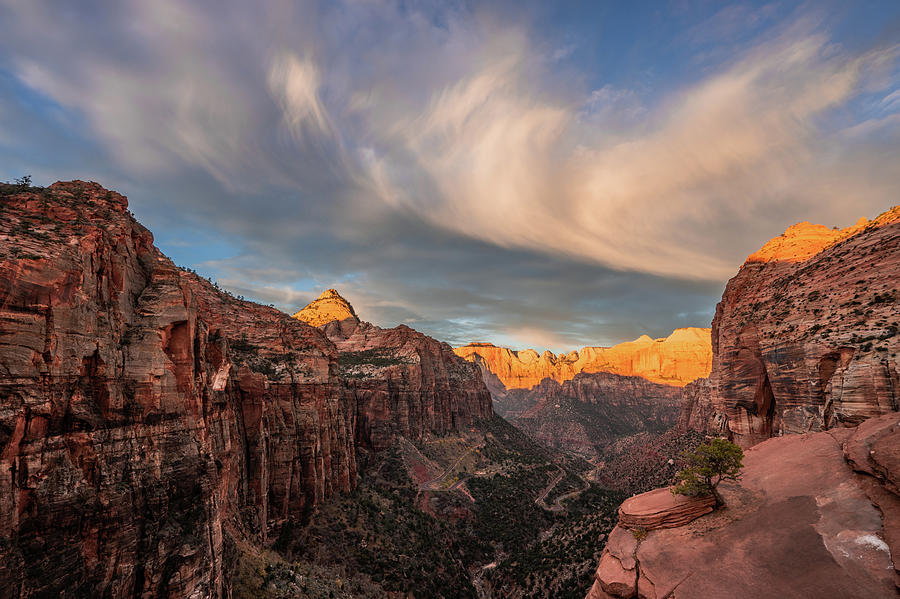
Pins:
x,y
592,410
150,423
678,359
813,515
659,508
401,381
806,336
327,307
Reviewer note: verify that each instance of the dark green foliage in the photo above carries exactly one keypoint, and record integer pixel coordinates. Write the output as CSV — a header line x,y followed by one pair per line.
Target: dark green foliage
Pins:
x,y
372,357
709,465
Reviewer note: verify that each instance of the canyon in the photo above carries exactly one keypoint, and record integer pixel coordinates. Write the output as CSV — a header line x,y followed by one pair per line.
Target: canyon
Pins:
x,y
153,427
162,437
589,412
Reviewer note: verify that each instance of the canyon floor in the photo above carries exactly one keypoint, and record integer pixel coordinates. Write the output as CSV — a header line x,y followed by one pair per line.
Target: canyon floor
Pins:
x,y
485,514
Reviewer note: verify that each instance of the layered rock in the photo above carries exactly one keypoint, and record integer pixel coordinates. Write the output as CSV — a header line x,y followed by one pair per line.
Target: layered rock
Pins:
x,y
592,410
147,420
678,359
799,523
660,508
401,381
806,336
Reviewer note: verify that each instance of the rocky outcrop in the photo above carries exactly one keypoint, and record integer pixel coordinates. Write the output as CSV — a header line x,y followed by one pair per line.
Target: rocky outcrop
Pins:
x,y
592,410
678,359
401,381
326,308
660,508
806,336
147,419
813,515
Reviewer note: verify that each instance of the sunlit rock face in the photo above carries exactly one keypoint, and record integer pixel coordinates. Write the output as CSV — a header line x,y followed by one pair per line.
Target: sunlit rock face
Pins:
x,y
148,420
806,335
678,359
327,307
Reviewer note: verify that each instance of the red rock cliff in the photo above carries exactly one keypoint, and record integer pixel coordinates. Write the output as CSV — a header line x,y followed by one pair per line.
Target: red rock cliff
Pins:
x,y
146,418
401,381
806,335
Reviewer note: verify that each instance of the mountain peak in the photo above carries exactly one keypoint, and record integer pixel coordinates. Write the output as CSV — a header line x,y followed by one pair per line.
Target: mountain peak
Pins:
x,y
327,307
803,241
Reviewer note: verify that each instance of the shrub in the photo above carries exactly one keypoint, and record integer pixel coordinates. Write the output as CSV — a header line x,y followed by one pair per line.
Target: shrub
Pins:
x,y
709,465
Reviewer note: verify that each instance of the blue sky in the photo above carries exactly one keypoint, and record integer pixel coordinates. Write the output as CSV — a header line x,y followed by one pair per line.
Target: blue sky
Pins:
x,y
549,175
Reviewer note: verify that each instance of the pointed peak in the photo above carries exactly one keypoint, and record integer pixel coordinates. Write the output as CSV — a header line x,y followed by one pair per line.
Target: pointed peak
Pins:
x,y
331,294
329,306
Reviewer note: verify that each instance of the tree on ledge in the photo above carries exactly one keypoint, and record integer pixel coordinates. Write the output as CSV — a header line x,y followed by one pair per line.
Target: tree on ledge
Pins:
x,y
708,465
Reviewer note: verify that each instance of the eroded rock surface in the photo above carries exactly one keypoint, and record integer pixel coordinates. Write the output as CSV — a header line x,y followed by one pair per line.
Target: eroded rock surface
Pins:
x,y
592,410
806,336
659,508
147,419
814,515
678,359
401,381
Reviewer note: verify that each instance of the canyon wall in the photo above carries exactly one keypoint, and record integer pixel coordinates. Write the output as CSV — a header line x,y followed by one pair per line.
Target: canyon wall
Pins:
x,y
592,410
401,381
806,336
678,359
150,423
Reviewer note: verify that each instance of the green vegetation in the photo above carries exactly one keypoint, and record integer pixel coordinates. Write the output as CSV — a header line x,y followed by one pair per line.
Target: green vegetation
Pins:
x,y
709,465
360,364
395,534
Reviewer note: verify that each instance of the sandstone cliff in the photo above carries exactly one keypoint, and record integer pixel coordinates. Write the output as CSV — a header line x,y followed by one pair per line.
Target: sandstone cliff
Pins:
x,y
147,420
678,359
813,515
402,382
806,336
592,410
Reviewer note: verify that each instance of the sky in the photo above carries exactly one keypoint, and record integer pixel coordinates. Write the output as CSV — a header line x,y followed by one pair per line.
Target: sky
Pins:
x,y
546,175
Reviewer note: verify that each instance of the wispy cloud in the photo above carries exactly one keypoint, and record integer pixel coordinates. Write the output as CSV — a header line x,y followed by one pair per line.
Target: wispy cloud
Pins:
x,y
455,167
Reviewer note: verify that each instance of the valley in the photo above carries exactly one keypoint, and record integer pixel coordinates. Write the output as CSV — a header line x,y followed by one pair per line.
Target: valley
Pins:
x,y
209,446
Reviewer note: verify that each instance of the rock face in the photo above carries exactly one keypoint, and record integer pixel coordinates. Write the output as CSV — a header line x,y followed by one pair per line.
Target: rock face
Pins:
x,y
806,336
401,381
328,307
678,359
592,410
148,420
814,515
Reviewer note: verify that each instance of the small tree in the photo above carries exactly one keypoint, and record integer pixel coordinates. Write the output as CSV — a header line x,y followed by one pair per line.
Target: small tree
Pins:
x,y
708,465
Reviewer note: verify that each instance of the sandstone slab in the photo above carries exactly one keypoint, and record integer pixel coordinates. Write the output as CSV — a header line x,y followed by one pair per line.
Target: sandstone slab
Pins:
x,y
800,523
661,509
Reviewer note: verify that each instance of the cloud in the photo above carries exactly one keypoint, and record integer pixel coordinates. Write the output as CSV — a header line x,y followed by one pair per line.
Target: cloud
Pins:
x,y
670,196
451,167
295,82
